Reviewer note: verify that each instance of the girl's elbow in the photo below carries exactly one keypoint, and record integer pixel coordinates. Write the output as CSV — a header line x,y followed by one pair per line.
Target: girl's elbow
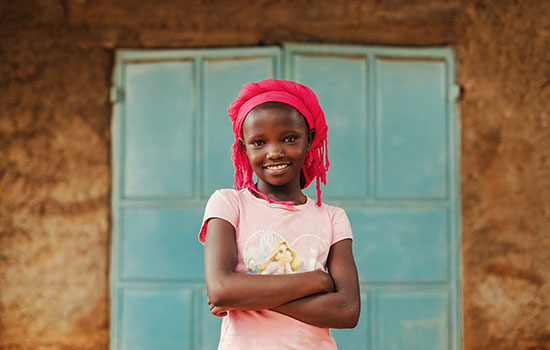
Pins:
x,y
349,320
215,298
350,315
354,317
217,294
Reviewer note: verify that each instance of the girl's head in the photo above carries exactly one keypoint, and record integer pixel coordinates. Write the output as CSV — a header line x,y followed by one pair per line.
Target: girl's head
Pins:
x,y
284,106
276,140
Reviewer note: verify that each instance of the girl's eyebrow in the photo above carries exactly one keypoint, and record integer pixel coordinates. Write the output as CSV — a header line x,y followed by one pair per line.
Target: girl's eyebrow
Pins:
x,y
294,130
255,137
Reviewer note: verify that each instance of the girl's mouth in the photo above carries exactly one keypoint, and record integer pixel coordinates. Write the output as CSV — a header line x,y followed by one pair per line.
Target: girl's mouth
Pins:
x,y
276,166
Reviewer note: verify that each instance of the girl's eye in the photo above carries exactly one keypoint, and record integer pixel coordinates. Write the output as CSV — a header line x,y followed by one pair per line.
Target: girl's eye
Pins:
x,y
290,138
257,143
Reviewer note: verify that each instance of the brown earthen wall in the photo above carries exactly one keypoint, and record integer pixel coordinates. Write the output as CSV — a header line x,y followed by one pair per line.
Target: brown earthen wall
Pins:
x,y
56,59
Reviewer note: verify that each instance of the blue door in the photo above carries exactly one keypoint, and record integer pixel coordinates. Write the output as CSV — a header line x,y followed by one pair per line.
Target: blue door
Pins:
x,y
393,147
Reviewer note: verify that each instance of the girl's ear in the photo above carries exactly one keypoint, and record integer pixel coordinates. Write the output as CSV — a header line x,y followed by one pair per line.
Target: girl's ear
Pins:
x,y
310,137
242,144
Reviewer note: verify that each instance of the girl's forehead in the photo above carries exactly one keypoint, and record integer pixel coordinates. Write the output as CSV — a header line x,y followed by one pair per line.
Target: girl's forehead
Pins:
x,y
279,114
273,108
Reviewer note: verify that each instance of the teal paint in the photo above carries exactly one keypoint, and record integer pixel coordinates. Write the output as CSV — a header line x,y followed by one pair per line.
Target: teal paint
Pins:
x,y
156,319
410,134
394,108
152,241
400,245
412,320
158,145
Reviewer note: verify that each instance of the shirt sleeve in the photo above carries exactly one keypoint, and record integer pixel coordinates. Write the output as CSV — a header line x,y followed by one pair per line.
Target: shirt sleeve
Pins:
x,y
220,205
341,229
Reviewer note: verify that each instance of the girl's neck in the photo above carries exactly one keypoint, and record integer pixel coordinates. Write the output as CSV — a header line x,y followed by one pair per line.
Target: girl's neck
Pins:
x,y
282,193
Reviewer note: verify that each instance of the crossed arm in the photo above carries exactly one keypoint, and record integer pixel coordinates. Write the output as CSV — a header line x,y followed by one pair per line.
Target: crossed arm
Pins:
x,y
313,297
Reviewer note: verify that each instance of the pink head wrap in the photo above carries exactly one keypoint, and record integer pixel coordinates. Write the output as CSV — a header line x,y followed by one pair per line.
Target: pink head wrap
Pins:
x,y
304,100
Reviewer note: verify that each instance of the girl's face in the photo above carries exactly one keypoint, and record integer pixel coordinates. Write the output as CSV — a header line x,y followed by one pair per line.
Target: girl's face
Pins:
x,y
276,141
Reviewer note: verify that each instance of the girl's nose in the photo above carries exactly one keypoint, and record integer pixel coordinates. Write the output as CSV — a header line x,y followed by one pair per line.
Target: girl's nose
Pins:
x,y
275,153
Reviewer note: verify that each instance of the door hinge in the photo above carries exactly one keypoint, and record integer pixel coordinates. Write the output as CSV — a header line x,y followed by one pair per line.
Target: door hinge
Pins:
x,y
117,94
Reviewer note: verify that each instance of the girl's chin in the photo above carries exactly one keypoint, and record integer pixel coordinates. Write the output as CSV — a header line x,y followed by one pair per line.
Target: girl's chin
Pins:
x,y
279,180
275,184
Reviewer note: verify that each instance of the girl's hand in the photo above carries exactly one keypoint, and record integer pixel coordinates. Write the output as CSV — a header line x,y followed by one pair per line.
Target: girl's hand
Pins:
x,y
326,281
339,307
216,310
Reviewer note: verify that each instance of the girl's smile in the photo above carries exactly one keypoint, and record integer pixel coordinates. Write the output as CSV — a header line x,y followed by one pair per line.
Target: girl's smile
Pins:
x,y
277,169
276,166
276,142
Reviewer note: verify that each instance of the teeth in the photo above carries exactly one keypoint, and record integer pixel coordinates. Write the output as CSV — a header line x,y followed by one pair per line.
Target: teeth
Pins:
x,y
278,166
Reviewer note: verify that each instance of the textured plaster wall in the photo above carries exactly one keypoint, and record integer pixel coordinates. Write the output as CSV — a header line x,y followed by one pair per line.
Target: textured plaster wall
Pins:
x,y
56,58
504,67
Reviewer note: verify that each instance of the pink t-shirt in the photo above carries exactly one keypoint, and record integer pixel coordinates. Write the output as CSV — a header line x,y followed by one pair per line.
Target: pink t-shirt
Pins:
x,y
275,239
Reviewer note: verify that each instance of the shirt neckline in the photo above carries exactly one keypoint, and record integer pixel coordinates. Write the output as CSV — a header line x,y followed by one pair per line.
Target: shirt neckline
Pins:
x,y
295,207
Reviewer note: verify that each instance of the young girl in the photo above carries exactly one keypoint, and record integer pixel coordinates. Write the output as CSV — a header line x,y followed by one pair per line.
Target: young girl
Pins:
x,y
281,136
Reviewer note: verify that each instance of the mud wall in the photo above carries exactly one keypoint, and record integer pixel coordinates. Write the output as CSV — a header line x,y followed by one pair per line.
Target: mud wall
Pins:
x,y
56,59
504,68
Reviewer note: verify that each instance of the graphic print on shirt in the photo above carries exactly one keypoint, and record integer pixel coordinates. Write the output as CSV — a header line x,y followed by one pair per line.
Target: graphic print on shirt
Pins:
x,y
281,260
267,252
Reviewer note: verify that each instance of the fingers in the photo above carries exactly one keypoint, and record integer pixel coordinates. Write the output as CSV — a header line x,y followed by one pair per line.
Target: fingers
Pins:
x,y
215,310
218,311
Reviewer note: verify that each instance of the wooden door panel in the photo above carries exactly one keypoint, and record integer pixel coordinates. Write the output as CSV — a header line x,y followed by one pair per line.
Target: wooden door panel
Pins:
x,y
159,100
411,128
412,320
156,319
400,245
154,242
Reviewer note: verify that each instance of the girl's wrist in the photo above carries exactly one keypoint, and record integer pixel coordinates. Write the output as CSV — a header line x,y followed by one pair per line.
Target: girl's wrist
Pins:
x,y
331,283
